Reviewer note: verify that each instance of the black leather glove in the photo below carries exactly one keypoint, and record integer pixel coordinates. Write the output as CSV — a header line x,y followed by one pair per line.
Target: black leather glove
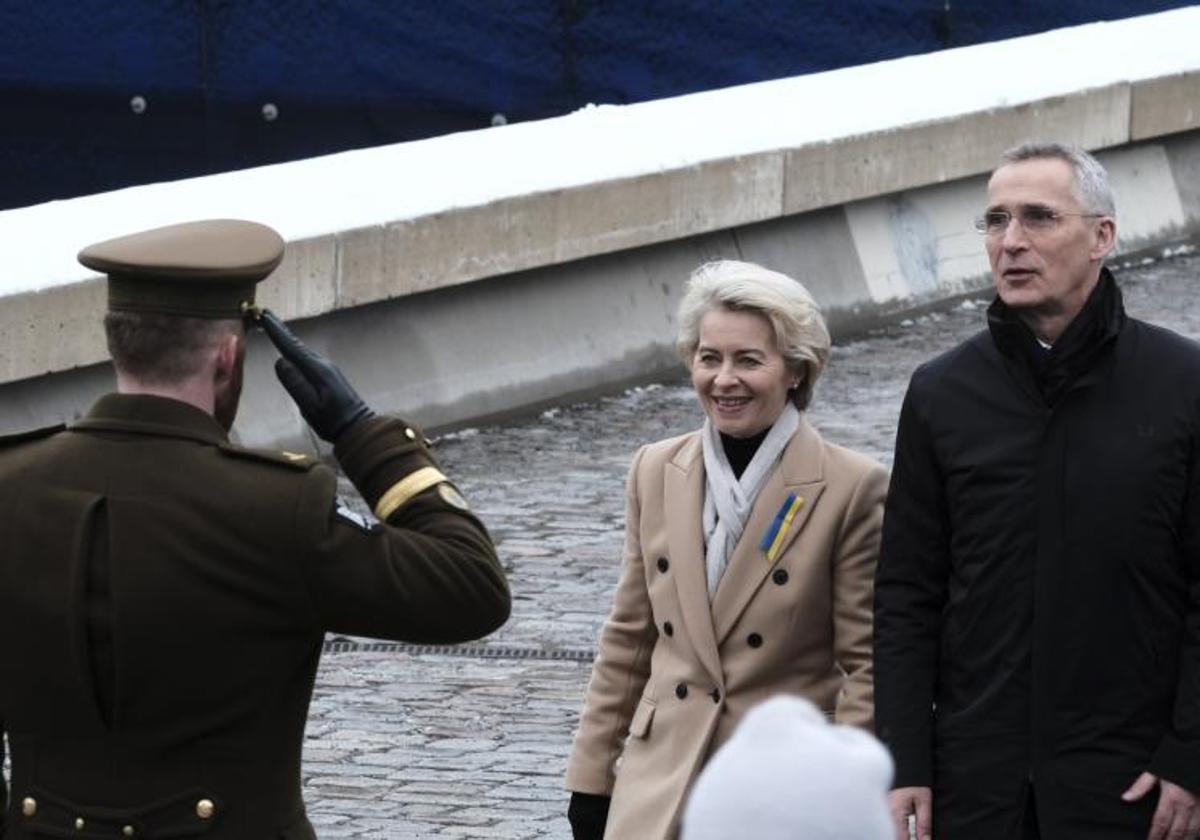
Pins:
x,y
326,399
588,815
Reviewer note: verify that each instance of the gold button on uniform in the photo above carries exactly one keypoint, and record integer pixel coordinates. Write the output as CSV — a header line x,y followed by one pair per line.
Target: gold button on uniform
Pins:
x,y
205,809
80,824
410,434
129,831
29,806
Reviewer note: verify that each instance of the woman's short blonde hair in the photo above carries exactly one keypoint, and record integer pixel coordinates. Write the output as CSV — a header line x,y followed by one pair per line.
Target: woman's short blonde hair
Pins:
x,y
800,331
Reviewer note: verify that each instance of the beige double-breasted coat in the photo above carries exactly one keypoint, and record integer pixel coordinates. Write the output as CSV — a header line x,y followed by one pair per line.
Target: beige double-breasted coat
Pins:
x,y
676,673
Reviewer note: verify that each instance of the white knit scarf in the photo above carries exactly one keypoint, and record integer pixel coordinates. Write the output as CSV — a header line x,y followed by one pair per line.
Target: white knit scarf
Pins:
x,y
728,500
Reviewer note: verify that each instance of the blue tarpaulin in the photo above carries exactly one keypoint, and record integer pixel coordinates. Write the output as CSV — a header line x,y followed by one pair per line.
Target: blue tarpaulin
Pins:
x,y
97,94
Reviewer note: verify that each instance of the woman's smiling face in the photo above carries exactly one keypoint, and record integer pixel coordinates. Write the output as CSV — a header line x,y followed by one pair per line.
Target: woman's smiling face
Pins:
x,y
740,377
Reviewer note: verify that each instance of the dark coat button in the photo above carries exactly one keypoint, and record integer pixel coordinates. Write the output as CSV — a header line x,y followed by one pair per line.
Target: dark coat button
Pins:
x,y
780,576
668,629
663,565
754,640
715,694
681,690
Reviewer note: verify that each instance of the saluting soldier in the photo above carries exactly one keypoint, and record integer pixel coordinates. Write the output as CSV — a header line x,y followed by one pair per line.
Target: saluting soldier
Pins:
x,y
164,593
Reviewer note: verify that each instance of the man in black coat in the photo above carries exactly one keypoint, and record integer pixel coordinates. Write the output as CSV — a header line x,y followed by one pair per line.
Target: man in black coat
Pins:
x,y
1037,606
164,594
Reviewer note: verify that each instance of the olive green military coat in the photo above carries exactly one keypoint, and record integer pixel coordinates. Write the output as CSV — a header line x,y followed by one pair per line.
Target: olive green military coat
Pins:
x,y
163,601
676,673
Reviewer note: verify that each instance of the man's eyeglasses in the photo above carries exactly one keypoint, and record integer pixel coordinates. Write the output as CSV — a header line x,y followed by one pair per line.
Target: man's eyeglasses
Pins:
x,y
1033,220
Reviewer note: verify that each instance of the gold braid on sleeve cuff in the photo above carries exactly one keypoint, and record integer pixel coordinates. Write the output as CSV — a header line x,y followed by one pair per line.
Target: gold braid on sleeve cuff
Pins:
x,y
404,489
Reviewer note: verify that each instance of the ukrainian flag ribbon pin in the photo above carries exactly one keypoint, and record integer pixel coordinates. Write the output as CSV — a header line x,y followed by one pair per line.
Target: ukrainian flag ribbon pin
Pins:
x,y
773,538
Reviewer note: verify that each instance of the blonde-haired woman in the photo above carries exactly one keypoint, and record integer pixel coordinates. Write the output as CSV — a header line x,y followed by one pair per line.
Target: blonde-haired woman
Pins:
x,y
749,556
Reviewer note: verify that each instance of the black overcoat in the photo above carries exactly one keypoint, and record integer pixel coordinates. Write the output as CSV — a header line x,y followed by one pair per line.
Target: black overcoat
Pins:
x,y
164,596
1037,624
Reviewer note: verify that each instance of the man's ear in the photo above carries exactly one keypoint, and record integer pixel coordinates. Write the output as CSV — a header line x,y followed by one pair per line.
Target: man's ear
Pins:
x,y
1105,239
229,356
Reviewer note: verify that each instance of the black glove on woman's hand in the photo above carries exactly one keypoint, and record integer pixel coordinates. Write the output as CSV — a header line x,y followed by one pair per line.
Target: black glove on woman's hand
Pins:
x,y
326,399
588,815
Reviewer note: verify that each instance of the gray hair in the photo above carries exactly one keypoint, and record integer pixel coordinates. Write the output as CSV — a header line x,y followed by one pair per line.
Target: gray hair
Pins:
x,y
1091,186
800,331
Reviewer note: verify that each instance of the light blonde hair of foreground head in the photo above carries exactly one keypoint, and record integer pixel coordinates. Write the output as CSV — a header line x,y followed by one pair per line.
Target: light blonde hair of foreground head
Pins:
x,y
800,331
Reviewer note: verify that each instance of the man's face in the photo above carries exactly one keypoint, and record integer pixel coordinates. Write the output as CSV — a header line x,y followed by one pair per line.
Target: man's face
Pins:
x,y
1045,272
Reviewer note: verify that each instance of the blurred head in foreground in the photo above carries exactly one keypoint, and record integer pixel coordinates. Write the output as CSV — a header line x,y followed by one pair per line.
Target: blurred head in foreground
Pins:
x,y
788,774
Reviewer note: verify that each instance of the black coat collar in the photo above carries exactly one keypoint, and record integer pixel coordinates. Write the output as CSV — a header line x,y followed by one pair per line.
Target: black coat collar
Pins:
x,y
1078,350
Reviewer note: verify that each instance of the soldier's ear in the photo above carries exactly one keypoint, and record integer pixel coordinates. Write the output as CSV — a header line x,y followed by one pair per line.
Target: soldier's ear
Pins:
x,y
230,352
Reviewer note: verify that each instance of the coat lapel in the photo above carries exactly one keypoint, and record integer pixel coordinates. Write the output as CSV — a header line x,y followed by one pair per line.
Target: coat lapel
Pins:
x,y
800,472
683,506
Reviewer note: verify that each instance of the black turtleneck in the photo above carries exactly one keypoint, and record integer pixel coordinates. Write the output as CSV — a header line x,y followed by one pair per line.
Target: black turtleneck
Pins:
x,y
740,451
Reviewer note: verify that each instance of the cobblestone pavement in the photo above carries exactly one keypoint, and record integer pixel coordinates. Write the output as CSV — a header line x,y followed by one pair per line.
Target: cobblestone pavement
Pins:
x,y
471,742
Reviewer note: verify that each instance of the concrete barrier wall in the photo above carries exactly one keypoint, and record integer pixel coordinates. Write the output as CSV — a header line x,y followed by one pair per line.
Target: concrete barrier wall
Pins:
x,y
449,356
472,312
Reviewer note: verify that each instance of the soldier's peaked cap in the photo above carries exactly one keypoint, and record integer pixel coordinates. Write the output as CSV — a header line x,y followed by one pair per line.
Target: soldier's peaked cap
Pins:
x,y
205,269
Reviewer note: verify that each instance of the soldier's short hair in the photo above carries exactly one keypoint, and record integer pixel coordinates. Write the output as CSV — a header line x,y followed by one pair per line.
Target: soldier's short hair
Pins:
x,y
162,349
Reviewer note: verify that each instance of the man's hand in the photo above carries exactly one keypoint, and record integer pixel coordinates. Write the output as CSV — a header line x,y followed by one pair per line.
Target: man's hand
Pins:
x,y
326,399
912,800
1177,816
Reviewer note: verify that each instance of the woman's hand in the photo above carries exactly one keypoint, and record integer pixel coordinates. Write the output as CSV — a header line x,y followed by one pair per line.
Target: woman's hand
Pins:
x,y
588,815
